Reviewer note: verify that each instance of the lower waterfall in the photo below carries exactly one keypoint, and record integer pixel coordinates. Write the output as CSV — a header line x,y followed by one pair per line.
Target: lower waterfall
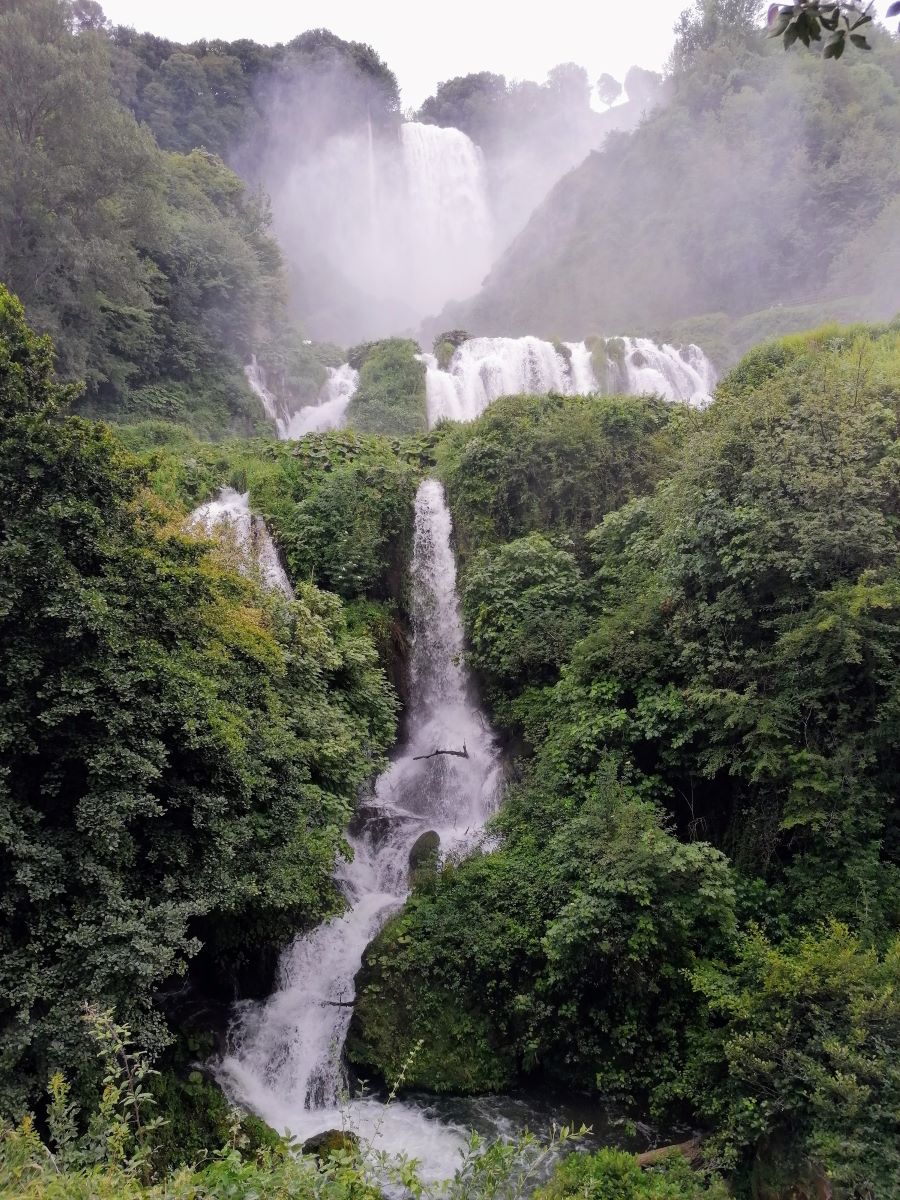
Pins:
x,y
327,413
229,515
285,1057
483,369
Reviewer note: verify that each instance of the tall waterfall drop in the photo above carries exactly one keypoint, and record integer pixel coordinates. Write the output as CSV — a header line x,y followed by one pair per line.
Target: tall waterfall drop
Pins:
x,y
285,1059
448,220
483,369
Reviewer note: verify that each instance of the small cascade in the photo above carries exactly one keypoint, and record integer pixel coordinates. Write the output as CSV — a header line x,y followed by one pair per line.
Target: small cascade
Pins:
x,y
327,413
285,1061
331,409
256,378
230,514
483,369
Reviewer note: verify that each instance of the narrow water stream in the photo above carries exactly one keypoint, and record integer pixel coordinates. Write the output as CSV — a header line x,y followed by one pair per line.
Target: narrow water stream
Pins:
x,y
285,1059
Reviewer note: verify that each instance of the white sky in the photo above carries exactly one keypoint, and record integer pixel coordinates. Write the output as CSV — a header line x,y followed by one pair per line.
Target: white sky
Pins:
x,y
424,42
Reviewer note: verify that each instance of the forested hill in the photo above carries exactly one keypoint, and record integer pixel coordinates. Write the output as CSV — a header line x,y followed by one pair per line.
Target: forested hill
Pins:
x,y
766,182
129,240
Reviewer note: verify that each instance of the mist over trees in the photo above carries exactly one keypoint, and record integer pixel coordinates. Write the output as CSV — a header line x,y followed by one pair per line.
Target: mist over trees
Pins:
x,y
707,209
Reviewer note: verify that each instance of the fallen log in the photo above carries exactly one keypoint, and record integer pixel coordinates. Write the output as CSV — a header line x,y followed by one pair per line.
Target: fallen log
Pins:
x,y
464,753
690,1150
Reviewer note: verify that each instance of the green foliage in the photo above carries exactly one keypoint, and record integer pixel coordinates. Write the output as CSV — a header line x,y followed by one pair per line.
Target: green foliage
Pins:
x,y
154,272
564,952
552,464
180,751
524,610
446,344
807,20
614,1175
340,507
221,95
390,398
806,1035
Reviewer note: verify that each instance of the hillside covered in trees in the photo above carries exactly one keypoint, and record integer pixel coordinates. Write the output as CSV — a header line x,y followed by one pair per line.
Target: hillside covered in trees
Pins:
x,y
763,189
491,747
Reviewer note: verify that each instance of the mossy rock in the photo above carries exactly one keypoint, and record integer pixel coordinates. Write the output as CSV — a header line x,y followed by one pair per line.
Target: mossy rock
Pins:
x,y
403,1024
446,344
638,359
563,351
330,1141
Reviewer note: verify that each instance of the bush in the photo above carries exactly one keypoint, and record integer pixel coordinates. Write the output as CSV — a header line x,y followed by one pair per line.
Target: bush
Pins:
x,y
390,398
614,1175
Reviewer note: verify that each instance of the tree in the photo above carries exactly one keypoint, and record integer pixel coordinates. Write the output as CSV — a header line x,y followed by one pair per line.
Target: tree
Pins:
x,y
608,89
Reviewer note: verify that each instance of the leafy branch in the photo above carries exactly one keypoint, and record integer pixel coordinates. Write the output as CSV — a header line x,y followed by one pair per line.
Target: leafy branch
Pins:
x,y
807,21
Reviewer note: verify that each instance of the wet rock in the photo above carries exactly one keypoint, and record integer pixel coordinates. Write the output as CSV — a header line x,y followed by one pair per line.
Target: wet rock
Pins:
x,y
425,850
329,1141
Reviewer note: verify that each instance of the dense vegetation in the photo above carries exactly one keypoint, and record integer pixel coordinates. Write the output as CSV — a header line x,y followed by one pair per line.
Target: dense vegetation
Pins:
x,y
390,398
153,271
687,215
686,625
181,750
695,898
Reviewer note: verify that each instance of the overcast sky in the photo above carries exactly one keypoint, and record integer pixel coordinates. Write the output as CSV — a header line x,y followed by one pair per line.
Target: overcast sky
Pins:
x,y
424,42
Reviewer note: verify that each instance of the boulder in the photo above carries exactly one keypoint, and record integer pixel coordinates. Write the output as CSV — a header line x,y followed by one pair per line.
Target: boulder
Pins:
x,y
322,1145
425,850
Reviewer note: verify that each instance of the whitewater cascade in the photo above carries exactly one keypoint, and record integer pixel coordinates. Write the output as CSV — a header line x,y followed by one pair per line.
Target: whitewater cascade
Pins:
x,y
230,514
448,221
327,413
285,1057
483,369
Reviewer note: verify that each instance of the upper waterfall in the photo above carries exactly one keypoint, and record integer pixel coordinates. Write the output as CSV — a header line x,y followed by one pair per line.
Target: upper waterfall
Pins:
x,y
291,422
483,369
448,221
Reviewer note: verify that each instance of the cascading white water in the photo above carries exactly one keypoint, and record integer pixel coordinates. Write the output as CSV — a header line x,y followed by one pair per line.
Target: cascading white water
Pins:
x,y
684,374
448,223
331,409
285,1061
327,413
483,369
230,514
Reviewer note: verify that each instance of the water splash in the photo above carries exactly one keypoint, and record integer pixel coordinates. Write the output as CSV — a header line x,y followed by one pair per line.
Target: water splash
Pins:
x,y
483,369
285,1059
230,514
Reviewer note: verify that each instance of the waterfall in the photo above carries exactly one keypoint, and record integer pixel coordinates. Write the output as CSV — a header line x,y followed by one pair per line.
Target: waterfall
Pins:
x,y
229,515
684,374
327,413
285,1058
483,369
448,222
